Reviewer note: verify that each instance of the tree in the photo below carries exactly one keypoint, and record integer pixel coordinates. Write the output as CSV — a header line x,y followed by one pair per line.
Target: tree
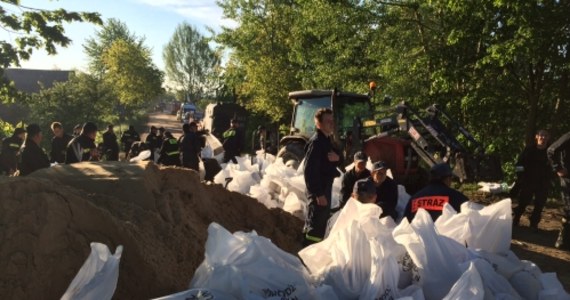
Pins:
x,y
190,64
96,46
132,74
36,29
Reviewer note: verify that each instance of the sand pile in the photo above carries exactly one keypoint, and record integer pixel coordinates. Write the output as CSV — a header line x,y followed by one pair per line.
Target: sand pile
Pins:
x,y
160,216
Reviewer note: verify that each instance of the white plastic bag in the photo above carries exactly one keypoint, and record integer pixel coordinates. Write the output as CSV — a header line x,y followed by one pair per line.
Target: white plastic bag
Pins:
x,y
468,287
97,278
248,266
202,294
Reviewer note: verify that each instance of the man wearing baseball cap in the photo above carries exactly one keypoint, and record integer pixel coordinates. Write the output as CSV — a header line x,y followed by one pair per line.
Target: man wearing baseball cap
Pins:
x,y
386,190
358,172
436,194
364,191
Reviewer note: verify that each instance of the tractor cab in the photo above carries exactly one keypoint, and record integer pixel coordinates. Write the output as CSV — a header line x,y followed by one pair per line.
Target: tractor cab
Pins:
x,y
346,107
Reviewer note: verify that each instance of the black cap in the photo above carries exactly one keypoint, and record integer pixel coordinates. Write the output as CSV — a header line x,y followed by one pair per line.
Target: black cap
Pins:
x,y
33,129
19,130
379,165
89,127
364,186
440,171
360,156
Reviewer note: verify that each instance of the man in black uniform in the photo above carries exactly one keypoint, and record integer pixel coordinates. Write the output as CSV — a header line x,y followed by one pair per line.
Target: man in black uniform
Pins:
x,y
534,174
58,143
110,144
152,141
33,156
321,161
11,151
358,172
128,138
386,190
83,148
559,155
433,197
233,140
190,145
160,136
169,151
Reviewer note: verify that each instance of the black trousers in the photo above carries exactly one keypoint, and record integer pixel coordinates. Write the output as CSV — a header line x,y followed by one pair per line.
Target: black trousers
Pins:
x,y
317,218
528,193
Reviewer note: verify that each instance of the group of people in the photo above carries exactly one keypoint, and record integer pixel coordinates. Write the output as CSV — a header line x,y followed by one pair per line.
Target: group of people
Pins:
x,y
22,153
534,167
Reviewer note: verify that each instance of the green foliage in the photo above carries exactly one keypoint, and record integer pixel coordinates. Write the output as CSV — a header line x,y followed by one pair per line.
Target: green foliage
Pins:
x,y
111,31
36,29
131,73
190,64
6,129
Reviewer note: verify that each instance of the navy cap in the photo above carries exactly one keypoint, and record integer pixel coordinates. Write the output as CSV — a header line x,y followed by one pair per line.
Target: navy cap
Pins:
x,y
360,156
33,129
379,165
364,186
441,170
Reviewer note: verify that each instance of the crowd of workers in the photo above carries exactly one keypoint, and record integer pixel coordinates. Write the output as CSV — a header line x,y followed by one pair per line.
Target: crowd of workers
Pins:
x,y
534,168
22,153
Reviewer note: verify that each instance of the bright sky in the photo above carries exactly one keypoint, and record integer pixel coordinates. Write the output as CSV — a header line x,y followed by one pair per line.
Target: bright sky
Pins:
x,y
156,20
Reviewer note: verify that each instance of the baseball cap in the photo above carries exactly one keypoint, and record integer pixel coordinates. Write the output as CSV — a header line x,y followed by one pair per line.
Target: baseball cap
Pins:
x,y
19,130
33,129
379,165
441,170
360,156
364,186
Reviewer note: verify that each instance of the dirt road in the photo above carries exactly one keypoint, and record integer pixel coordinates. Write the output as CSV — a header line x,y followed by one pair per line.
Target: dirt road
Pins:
x,y
167,121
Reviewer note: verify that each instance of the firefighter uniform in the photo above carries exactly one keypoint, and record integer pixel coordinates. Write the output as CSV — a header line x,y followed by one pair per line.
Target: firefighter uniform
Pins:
x,y
232,143
59,147
190,145
10,152
319,175
433,197
33,158
79,149
169,152
128,138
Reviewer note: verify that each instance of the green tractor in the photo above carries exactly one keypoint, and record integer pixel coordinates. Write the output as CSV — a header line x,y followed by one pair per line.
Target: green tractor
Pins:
x,y
347,107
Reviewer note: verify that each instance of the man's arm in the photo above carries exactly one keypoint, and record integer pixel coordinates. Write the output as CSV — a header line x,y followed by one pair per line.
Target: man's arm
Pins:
x,y
554,150
312,170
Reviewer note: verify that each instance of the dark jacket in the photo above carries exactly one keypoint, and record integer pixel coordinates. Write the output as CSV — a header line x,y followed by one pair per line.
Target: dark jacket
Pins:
x,y
170,152
559,153
110,145
432,198
10,151
348,182
129,137
190,146
33,158
59,147
387,197
233,140
537,171
319,171
79,149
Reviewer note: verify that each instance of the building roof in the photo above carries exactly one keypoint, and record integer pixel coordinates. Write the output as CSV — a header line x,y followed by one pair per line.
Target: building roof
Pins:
x,y
31,80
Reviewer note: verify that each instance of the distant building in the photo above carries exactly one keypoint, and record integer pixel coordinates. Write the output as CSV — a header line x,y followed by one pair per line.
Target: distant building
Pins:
x,y
29,81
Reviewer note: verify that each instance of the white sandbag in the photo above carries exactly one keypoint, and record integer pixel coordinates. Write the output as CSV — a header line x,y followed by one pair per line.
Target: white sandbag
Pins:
x,y
295,206
143,155
491,228
468,287
248,266
262,196
207,152
97,278
326,292
336,194
215,144
437,273
501,263
525,283
384,277
496,286
403,199
198,294
552,288
241,181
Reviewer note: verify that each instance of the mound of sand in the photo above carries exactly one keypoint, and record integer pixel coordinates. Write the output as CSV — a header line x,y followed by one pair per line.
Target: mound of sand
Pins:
x,y
159,215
